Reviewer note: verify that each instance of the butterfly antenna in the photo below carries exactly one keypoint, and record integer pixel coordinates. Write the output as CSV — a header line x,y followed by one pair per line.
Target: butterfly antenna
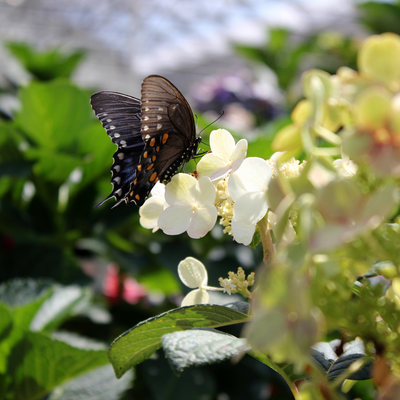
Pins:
x,y
213,122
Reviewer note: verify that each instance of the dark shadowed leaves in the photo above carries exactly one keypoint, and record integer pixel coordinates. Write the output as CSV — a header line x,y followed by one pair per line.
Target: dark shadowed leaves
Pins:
x,y
324,354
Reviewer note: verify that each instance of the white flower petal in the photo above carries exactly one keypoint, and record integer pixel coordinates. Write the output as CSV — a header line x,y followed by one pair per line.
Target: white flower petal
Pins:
x,y
242,233
253,176
192,272
181,190
220,173
210,164
225,155
345,167
251,207
222,144
239,154
203,220
276,156
150,211
158,190
205,192
175,219
197,296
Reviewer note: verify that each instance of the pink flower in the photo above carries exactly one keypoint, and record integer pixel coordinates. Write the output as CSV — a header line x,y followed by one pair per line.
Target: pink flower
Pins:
x,y
111,284
132,291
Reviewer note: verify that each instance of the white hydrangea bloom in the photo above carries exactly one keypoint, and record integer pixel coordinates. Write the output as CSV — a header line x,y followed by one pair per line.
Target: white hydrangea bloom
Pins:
x,y
193,274
225,156
289,169
248,188
242,232
152,208
191,206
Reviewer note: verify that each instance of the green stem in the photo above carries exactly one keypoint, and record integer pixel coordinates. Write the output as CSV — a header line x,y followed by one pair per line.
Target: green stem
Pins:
x,y
266,240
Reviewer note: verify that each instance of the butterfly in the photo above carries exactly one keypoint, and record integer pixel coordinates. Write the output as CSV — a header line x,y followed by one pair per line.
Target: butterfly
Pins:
x,y
155,136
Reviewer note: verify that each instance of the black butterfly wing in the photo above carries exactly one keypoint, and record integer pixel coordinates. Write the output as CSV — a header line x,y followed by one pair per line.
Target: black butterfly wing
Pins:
x,y
169,133
120,116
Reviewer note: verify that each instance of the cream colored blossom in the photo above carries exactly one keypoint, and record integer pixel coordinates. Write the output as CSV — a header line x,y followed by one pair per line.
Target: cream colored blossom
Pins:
x,y
228,285
191,206
193,274
152,208
289,169
225,156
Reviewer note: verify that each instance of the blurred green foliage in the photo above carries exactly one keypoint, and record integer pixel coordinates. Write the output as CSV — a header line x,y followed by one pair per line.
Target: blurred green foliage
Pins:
x,y
34,360
289,57
46,65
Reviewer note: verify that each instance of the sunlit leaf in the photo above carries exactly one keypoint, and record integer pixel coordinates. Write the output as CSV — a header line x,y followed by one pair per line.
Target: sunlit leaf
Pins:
x,y
140,342
198,347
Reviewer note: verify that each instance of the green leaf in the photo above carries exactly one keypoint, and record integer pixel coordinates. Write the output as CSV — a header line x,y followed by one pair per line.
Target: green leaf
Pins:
x,y
78,341
54,114
59,307
45,65
23,297
5,322
140,342
38,364
263,359
161,279
55,167
98,150
99,384
256,239
278,39
6,326
198,347
21,292
380,17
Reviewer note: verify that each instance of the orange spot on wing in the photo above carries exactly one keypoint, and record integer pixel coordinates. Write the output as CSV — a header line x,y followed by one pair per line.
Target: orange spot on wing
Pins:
x,y
139,168
153,158
137,197
150,167
153,176
164,138
152,142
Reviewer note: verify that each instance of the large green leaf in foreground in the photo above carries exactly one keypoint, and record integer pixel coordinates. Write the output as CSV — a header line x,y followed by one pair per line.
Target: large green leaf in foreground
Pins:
x,y
38,364
140,342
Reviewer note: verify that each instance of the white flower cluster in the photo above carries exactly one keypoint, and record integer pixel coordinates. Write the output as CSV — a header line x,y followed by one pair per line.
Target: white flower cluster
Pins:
x,y
229,185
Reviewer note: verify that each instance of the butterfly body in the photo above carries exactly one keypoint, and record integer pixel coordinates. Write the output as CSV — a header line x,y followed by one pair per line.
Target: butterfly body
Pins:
x,y
155,136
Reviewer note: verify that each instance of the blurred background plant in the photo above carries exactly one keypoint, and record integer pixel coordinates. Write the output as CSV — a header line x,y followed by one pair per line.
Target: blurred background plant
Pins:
x,y
54,167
